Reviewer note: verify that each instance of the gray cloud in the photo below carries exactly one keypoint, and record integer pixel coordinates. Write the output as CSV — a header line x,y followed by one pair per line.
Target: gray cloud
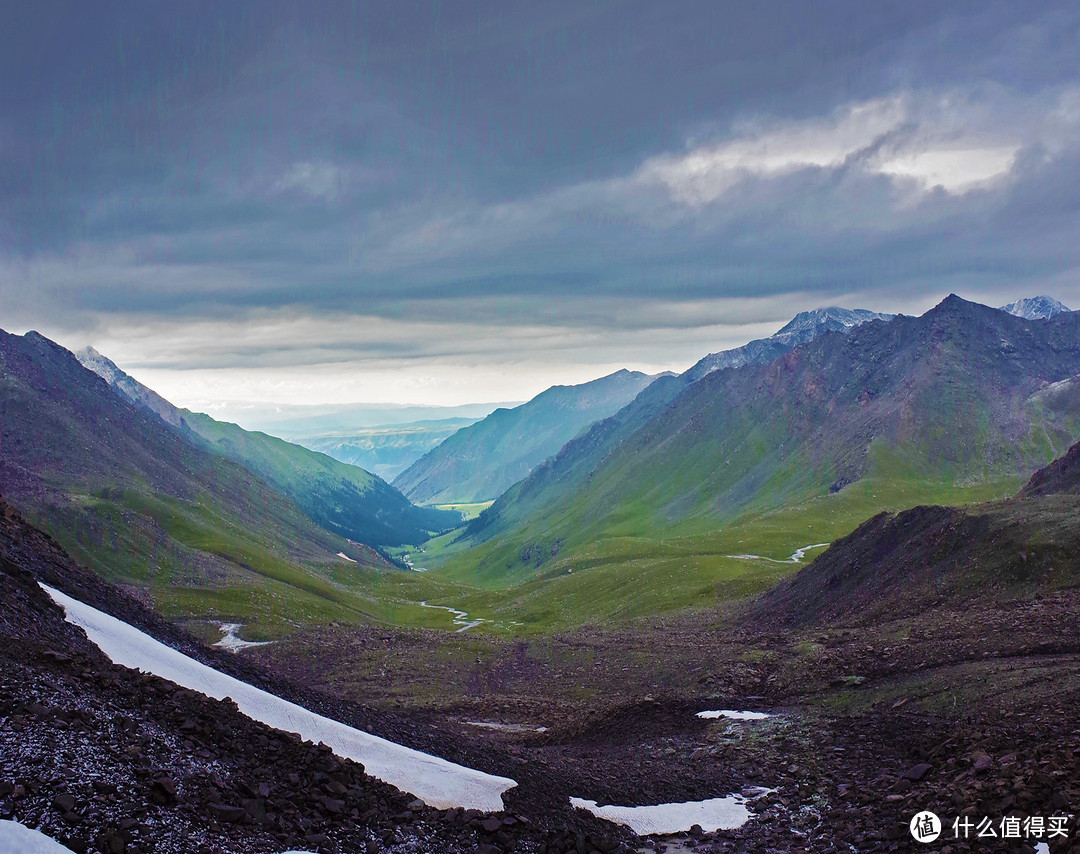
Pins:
x,y
618,179
319,180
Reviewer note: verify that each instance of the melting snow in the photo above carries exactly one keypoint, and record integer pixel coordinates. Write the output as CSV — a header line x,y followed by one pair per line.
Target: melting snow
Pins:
x,y
714,814
733,715
344,556
439,783
15,837
233,643
20,839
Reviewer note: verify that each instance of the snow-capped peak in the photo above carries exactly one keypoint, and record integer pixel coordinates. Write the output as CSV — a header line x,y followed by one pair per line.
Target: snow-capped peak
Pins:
x,y
804,327
1035,308
101,365
809,324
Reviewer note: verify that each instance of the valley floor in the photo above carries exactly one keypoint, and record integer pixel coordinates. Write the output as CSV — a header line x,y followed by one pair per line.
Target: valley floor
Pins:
x,y
968,711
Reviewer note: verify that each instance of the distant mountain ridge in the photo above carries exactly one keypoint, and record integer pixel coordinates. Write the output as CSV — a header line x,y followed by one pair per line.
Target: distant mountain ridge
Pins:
x,y
805,326
342,498
386,450
479,462
580,457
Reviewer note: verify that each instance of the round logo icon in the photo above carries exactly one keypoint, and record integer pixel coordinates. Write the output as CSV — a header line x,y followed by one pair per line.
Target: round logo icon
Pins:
x,y
925,826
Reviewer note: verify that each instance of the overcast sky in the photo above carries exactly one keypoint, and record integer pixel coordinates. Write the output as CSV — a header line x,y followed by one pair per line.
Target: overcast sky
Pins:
x,y
448,202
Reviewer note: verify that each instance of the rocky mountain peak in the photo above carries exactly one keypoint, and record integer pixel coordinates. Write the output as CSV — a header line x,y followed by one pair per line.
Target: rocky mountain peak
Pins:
x,y
809,324
1035,308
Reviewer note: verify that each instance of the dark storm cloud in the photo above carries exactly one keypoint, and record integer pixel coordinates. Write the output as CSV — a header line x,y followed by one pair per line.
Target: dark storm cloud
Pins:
x,y
512,162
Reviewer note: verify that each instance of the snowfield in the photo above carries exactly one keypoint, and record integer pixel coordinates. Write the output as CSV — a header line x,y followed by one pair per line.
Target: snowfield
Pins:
x,y
437,782
19,839
232,641
714,814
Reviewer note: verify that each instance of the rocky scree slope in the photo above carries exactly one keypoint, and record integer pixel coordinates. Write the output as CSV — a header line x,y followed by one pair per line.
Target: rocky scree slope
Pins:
x,y
106,759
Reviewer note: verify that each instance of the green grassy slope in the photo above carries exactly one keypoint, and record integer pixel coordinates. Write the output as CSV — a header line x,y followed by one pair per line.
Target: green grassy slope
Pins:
x,y
479,462
954,403
126,495
898,564
343,498
340,497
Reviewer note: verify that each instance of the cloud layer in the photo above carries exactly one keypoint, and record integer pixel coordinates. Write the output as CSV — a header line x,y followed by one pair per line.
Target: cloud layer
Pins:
x,y
250,200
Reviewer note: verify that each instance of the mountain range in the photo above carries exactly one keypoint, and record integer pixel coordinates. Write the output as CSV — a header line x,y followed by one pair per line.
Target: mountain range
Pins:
x,y
1035,308
859,410
805,326
575,463
168,511
964,394
580,456
478,462
387,449
903,659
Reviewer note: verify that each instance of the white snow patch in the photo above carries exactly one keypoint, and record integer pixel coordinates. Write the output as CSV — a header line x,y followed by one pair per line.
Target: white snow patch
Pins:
x,y
232,642
437,782
713,814
15,837
733,715
344,556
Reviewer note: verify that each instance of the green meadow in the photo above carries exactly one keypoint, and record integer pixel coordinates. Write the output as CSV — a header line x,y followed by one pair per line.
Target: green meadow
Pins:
x,y
609,579
467,511
275,587
615,576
